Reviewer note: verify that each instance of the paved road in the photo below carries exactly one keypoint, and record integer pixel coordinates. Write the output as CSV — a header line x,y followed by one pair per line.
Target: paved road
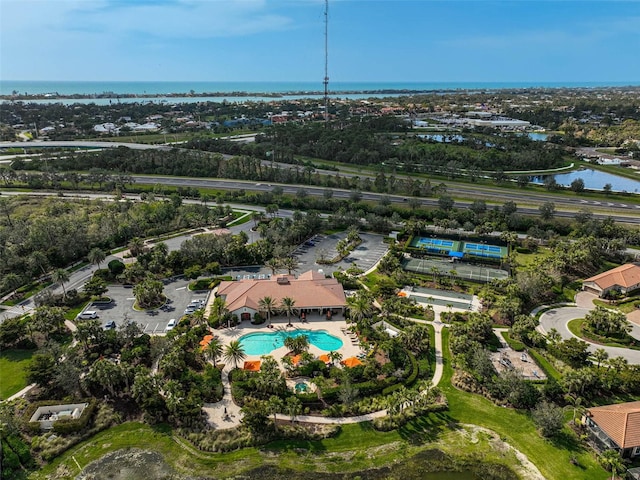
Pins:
x,y
457,189
558,318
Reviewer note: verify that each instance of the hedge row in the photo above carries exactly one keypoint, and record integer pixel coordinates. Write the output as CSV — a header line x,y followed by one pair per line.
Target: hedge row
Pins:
x,y
70,425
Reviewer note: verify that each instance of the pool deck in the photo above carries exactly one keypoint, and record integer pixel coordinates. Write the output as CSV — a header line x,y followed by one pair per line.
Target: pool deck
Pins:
x,y
314,322
452,299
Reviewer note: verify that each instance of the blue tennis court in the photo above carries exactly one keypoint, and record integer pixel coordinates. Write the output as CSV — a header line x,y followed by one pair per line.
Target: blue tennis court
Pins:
x,y
435,245
484,250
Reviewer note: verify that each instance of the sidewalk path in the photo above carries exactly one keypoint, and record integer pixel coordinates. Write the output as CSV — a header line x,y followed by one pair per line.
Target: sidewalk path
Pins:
x,y
21,393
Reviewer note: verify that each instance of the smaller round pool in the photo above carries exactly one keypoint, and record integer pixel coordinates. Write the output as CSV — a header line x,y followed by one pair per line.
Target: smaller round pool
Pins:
x,y
263,343
301,387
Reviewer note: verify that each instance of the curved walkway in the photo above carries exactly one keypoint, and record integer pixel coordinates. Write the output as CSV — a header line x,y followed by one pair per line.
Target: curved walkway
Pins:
x,y
560,317
226,413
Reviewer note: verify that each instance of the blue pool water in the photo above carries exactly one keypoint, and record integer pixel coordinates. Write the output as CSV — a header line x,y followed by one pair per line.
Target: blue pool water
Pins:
x,y
264,343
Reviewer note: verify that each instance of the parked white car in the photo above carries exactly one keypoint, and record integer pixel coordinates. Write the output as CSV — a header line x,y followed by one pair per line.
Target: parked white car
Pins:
x,y
171,325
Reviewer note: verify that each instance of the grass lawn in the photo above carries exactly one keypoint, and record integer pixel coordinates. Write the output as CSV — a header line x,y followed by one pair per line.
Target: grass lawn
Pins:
x,y
576,326
552,457
13,364
359,447
625,307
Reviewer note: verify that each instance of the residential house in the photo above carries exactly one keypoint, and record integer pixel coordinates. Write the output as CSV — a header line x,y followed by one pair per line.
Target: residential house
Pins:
x,y
616,427
623,279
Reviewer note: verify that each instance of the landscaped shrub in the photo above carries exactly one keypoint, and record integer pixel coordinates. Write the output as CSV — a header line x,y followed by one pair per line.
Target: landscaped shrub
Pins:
x,y
392,422
116,267
65,426
258,319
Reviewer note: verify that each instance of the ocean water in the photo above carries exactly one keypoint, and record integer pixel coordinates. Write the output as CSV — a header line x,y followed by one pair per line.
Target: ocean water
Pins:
x,y
163,88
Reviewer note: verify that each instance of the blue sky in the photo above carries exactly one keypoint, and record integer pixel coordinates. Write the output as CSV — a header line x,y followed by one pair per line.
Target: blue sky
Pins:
x,y
282,40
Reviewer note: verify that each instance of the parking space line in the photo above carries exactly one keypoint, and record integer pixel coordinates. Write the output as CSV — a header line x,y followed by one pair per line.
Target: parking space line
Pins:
x,y
131,298
181,288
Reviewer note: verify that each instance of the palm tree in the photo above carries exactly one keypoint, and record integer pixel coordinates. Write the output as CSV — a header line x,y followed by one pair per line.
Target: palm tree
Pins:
x,y
234,352
136,246
273,264
611,460
267,304
60,276
287,305
297,344
290,263
214,350
96,256
360,306
575,402
11,282
293,406
335,356
599,356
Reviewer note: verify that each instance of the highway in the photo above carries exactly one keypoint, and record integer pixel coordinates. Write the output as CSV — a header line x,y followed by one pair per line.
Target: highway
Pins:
x,y
632,216
620,210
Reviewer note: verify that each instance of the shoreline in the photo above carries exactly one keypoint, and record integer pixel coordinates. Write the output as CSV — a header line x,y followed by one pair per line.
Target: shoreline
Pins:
x,y
53,95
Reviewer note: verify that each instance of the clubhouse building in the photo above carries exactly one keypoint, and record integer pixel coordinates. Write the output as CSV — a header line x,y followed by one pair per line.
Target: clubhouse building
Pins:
x,y
311,291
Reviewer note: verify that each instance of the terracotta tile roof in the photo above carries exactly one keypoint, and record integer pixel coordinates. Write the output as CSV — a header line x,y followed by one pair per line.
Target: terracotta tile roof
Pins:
x,y
625,276
621,422
309,290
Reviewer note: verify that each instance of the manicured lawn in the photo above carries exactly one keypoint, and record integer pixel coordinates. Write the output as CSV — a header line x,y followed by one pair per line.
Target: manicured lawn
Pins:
x,y
627,306
359,447
576,326
13,364
552,457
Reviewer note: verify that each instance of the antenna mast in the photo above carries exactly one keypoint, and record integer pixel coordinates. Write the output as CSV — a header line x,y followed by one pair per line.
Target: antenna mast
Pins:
x,y
326,62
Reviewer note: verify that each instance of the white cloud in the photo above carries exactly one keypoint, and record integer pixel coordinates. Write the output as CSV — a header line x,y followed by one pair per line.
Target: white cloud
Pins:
x,y
173,19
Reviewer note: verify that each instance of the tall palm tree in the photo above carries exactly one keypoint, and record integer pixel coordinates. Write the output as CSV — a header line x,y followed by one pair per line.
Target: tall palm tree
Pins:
x,y
287,305
60,276
273,264
234,352
96,256
268,305
290,263
136,246
214,350
360,306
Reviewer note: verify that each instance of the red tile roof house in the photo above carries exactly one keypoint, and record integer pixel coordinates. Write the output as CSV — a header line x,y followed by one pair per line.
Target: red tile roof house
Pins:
x,y
624,279
616,427
311,291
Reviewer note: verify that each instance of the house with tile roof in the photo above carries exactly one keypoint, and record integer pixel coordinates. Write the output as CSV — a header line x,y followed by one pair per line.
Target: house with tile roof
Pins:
x,y
616,427
623,279
311,291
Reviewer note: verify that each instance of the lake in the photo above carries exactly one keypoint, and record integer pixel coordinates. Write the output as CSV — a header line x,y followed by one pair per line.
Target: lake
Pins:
x,y
593,180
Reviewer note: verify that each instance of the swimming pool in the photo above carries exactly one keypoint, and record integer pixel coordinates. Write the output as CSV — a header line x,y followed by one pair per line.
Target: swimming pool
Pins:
x,y
262,343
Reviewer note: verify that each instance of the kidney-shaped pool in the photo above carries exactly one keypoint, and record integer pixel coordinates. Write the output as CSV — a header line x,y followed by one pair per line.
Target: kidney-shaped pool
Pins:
x,y
262,343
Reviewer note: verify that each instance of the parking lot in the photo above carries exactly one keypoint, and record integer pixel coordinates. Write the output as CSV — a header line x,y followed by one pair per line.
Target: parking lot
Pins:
x,y
365,255
120,309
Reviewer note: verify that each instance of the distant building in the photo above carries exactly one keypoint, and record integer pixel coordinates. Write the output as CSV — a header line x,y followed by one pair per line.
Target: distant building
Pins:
x,y
623,279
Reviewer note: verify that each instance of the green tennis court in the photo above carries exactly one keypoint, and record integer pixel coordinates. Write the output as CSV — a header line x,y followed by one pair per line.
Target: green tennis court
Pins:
x,y
429,266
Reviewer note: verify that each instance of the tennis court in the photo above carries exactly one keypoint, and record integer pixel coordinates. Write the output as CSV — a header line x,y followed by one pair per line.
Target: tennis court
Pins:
x,y
435,244
465,271
484,250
